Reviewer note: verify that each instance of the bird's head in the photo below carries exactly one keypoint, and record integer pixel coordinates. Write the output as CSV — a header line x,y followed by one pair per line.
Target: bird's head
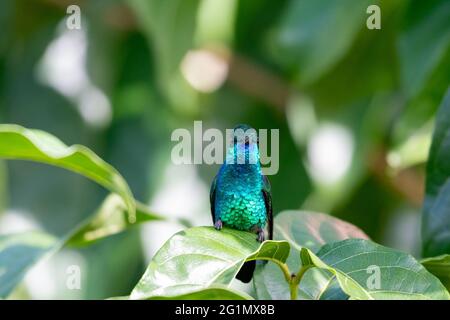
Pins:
x,y
244,149
244,134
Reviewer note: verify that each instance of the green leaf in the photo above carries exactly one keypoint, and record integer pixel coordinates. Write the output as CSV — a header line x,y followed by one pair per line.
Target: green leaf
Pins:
x,y
170,28
357,263
170,25
307,38
313,229
310,230
424,42
436,212
424,60
211,293
347,284
18,252
201,257
20,143
440,267
110,218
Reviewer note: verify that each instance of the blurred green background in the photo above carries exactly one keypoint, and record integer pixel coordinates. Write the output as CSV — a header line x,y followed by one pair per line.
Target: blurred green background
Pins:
x,y
354,107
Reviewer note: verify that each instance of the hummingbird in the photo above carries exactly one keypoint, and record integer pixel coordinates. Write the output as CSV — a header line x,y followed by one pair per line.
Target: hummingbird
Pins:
x,y
240,194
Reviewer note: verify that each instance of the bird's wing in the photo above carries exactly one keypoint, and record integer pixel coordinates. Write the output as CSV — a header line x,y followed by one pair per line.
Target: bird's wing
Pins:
x,y
268,202
212,199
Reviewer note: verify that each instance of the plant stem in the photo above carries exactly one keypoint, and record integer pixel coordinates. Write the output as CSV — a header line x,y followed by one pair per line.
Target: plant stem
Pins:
x,y
295,281
293,289
289,279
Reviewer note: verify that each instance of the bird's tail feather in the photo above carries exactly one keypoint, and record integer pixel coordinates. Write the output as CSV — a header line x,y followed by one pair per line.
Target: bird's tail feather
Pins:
x,y
246,272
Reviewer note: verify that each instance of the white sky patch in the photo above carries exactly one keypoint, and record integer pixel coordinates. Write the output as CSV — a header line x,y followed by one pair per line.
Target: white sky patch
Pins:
x,y
63,67
330,153
204,70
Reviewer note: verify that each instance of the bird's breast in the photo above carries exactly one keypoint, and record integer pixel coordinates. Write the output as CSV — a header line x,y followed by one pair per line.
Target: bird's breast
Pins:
x,y
240,208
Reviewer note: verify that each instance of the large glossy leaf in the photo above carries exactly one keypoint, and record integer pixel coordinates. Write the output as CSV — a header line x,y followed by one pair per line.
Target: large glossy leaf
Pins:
x,y
356,261
440,267
310,230
306,37
436,208
20,143
197,258
313,229
316,284
18,252
211,293
110,218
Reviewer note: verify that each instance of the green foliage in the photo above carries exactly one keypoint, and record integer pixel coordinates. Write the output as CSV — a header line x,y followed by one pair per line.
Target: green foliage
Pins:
x,y
304,230
200,257
193,262
312,229
307,34
211,293
436,216
197,258
115,214
440,267
293,65
19,143
401,276
111,218
169,27
424,51
18,252
424,43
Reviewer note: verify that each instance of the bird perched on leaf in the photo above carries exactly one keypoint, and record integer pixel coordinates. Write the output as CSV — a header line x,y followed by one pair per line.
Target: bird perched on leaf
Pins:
x,y
240,194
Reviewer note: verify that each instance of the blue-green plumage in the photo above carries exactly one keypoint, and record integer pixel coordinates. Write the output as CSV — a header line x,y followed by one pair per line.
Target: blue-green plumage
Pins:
x,y
240,194
239,198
